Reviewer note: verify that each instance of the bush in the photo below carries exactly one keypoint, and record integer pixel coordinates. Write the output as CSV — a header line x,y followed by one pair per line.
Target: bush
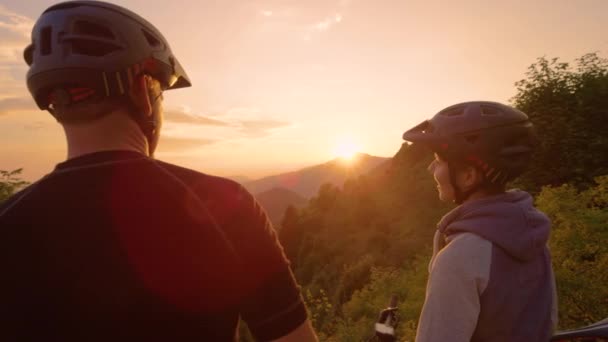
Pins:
x,y
579,250
10,182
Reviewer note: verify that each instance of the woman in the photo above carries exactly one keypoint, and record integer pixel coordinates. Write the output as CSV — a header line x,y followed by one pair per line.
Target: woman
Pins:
x,y
490,274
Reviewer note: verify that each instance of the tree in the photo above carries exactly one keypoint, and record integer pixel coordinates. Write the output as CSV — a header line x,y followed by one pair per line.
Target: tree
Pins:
x,y
10,182
569,108
291,234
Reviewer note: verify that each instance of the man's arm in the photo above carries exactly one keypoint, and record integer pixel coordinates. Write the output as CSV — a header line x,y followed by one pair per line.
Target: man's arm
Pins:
x,y
272,303
459,275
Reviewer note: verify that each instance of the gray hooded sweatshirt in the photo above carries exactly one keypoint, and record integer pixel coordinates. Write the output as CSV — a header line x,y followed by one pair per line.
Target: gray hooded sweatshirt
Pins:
x,y
490,275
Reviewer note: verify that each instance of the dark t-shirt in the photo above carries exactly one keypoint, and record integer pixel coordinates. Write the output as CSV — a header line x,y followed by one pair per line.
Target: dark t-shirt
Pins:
x,y
117,246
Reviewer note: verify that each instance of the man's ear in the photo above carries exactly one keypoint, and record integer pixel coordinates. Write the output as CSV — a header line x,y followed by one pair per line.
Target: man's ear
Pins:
x,y
140,96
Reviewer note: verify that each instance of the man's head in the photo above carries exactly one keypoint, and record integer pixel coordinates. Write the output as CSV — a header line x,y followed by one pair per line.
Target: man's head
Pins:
x,y
89,59
479,147
141,108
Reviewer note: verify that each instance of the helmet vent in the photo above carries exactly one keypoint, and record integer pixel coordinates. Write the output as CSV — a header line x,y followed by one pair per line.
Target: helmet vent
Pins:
x,y
153,41
45,40
91,29
93,48
453,112
93,39
490,110
426,127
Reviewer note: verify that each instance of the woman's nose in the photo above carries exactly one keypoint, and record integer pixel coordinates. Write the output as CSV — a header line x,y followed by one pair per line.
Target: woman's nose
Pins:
x,y
431,167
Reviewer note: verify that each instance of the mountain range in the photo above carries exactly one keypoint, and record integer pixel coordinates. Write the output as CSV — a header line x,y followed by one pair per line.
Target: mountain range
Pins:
x,y
275,193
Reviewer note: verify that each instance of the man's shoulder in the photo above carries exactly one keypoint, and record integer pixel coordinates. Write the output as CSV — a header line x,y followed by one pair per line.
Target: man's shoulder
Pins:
x,y
207,187
197,178
15,198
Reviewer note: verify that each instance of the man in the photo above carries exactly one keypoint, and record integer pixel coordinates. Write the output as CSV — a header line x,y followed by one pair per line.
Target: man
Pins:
x,y
114,245
490,275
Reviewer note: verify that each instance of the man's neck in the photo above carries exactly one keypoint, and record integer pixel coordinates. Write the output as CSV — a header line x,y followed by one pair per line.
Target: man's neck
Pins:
x,y
111,132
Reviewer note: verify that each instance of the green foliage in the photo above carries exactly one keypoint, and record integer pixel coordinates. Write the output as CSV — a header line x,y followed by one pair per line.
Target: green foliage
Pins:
x,y
346,236
10,182
371,238
579,250
408,283
569,108
320,312
291,234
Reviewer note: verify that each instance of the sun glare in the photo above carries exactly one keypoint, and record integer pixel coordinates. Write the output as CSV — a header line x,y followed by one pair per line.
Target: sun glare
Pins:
x,y
346,150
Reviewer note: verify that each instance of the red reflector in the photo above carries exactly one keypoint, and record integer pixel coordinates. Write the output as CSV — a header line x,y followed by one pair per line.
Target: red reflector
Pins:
x,y
149,65
78,90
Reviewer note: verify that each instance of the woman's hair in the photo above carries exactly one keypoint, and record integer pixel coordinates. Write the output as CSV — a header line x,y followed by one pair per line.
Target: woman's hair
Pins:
x,y
488,187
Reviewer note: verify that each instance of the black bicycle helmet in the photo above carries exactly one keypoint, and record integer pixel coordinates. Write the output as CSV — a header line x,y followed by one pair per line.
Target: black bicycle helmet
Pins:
x,y
495,138
96,47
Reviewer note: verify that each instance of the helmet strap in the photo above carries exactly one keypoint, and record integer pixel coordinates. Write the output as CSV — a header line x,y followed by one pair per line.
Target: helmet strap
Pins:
x,y
148,126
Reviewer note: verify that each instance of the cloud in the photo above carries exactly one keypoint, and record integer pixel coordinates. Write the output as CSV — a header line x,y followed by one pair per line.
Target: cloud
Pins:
x,y
260,128
243,112
236,123
322,26
179,144
325,24
14,37
15,32
184,116
252,122
34,126
303,21
266,13
15,22
16,104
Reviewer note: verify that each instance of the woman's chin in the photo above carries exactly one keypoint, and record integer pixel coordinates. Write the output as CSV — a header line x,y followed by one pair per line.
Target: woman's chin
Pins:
x,y
445,197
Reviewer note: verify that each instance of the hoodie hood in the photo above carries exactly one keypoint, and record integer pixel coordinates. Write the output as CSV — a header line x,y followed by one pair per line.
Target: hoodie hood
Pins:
x,y
508,220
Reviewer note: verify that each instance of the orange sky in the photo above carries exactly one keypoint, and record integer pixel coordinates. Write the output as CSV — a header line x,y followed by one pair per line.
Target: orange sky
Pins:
x,y
281,84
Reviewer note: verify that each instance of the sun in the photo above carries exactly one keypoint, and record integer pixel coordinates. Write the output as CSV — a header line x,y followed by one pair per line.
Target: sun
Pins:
x,y
346,150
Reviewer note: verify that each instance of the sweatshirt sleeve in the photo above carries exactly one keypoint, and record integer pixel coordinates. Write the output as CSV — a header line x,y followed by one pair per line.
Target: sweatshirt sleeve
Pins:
x,y
459,274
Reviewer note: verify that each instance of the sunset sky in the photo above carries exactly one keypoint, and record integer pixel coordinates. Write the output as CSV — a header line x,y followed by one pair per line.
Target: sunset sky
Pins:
x,y
282,84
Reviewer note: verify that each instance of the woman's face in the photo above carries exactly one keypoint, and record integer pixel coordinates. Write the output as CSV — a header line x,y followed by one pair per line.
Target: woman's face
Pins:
x,y
440,171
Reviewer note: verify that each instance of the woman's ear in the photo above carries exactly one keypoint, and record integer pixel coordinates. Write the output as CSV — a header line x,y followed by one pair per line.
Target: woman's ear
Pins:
x,y
140,96
469,177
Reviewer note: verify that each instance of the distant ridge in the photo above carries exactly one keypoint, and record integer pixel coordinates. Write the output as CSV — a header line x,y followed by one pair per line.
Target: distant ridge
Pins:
x,y
306,182
276,200
240,179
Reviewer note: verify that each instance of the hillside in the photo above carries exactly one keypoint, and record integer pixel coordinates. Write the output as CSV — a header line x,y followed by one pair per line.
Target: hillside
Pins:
x,y
276,200
306,182
353,247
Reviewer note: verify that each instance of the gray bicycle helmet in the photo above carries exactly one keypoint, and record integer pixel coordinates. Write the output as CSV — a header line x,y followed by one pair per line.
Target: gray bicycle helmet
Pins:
x,y
93,46
493,137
